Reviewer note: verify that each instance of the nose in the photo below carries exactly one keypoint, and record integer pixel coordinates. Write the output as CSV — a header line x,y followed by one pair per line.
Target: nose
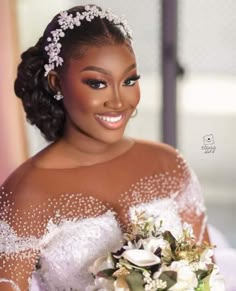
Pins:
x,y
114,101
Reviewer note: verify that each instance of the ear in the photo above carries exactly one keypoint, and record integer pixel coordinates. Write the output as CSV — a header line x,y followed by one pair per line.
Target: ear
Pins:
x,y
54,81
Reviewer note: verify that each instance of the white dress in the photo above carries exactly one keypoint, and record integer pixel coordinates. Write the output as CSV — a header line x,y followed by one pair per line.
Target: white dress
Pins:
x,y
69,244
69,247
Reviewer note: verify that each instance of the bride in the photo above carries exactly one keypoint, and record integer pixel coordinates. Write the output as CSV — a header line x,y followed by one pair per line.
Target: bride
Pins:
x,y
69,203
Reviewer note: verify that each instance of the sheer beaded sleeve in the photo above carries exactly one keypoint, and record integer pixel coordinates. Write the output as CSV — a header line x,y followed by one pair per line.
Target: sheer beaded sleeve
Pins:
x,y
18,246
189,200
175,180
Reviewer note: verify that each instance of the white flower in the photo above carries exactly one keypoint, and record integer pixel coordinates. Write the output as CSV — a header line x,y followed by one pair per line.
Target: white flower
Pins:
x,y
153,243
160,284
101,263
131,246
205,259
141,258
153,285
216,281
188,229
133,214
102,284
186,279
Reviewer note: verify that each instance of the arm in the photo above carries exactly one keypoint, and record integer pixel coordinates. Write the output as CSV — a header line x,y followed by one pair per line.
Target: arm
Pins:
x,y
17,245
190,202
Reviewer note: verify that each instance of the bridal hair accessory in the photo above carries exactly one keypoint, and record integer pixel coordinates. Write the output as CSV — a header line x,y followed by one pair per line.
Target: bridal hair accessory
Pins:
x,y
68,21
58,96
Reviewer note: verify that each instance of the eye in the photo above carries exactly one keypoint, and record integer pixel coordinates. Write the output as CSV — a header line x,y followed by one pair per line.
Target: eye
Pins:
x,y
96,84
132,80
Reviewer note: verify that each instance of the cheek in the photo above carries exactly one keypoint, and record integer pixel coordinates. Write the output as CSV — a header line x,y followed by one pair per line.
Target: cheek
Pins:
x,y
85,103
131,96
80,99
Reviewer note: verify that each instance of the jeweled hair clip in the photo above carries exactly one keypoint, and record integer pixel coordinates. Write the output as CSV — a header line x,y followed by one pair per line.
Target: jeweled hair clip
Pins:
x,y
68,21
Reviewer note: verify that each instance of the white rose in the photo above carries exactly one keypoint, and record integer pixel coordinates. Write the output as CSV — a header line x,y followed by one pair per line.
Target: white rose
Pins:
x,y
186,279
141,258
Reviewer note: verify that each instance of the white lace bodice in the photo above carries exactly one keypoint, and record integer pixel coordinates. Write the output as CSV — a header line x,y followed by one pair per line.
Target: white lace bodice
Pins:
x,y
68,249
65,257
71,240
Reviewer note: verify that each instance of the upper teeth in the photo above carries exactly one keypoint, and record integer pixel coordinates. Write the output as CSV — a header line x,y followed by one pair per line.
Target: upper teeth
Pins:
x,y
109,118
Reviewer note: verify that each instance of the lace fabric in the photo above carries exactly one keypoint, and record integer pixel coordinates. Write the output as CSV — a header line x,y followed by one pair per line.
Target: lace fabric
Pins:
x,y
73,246
65,233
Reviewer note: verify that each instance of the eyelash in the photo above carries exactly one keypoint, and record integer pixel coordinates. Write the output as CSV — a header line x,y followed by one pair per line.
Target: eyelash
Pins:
x,y
92,82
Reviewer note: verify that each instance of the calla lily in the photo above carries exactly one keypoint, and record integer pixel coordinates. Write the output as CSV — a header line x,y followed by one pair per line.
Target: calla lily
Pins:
x,y
141,258
153,243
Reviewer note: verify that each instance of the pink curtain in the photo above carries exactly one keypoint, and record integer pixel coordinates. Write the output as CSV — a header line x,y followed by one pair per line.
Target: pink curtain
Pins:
x,y
13,150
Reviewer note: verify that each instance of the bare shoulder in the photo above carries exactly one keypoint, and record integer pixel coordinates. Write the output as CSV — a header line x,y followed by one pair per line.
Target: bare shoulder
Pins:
x,y
159,149
22,188
156,145
160,157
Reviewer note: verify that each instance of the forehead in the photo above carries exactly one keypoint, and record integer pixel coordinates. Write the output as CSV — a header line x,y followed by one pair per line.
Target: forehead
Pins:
x,y
110,57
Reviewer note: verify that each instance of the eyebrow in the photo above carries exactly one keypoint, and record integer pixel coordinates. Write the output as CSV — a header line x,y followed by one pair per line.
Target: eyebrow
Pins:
x,y
106,72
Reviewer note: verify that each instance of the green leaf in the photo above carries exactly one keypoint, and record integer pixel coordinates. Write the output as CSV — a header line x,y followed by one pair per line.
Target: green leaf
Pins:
x,y
135,281
171,239
206,283
107,273
170,277
201,274
202,287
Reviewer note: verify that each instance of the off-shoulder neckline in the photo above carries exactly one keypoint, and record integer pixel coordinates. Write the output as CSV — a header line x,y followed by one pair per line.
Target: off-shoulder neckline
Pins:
x,y
118,157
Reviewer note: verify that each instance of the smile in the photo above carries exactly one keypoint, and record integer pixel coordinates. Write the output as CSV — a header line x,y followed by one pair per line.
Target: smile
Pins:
x,y
111,122
109,118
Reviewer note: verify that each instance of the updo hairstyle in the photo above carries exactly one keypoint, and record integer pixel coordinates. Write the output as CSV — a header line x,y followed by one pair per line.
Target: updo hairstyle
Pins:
x,y
32,87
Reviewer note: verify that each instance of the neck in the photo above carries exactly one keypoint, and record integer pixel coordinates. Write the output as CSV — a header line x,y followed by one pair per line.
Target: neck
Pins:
x,y
86,150
87,145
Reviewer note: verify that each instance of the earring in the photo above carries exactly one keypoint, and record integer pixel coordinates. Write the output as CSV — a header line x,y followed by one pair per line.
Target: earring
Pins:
x,y
135,113
58,96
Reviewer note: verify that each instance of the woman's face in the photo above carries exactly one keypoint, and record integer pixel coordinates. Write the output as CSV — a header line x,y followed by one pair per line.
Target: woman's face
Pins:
x,y
100,92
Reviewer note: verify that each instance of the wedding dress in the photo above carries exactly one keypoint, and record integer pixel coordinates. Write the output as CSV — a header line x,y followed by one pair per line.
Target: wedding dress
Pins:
x,y
64,234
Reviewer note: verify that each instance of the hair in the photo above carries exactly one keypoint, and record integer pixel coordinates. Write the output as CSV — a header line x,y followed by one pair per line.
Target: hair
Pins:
x,y
32,87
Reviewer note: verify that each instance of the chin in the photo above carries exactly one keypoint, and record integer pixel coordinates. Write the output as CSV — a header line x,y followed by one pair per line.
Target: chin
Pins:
x,y
112,138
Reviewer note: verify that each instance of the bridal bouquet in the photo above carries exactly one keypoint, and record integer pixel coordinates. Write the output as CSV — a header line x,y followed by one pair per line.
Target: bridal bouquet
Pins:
x,y
153,259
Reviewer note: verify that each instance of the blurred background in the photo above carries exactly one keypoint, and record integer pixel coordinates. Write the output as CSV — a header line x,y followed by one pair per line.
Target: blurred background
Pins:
x,y
186,52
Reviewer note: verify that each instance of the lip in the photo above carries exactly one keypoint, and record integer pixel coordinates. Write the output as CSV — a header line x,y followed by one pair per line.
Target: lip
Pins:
x,y
111,120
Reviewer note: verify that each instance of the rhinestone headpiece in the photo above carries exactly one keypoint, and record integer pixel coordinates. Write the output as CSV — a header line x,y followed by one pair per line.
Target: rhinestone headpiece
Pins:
x,y
68,21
